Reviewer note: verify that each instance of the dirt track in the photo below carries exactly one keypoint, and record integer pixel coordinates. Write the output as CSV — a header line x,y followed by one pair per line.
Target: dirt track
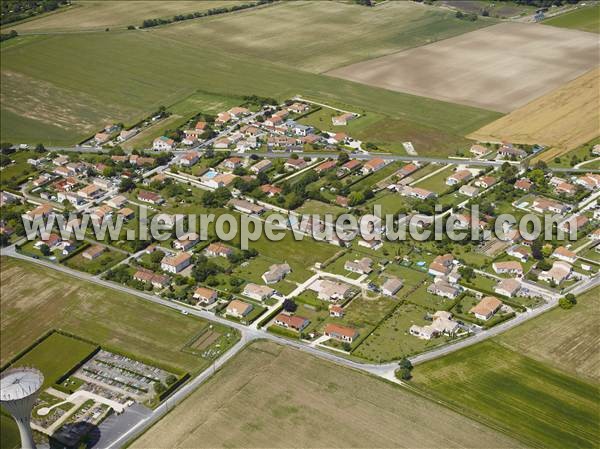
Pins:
x,y
501,67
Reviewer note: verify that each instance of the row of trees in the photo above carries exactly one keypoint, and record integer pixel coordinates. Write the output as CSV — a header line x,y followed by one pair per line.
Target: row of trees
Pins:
x,y
148,23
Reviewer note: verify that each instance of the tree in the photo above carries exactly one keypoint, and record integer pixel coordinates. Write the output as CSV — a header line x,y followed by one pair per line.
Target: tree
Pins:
x,y
467,272
45,250
567,302
289,306
536,250
405,374
39,148
126,185
405,364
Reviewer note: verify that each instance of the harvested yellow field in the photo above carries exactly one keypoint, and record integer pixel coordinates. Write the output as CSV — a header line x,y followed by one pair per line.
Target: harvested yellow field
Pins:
x,y
564,119
277,397
565,339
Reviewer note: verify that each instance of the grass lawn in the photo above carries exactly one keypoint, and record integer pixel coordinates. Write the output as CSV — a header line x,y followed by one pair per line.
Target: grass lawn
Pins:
x,y
527,399
320,208
14,174
55,356
42,299
391,340
437,183
98,265
9,436
319,405
585,19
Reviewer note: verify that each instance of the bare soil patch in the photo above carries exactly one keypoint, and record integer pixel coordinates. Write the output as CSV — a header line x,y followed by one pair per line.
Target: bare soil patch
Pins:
x,y
274,396
501,67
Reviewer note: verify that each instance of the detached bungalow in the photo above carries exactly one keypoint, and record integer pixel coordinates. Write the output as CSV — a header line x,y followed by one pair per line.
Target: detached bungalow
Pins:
x,y
486,308
205,296
342,333
177,263
258,292
238,309
294,322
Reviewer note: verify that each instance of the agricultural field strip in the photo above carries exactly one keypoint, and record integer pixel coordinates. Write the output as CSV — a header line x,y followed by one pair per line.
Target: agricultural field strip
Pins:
x,y
551,57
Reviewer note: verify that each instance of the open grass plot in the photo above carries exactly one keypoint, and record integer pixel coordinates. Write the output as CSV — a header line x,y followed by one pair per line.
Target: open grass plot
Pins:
x,y
527,399
281,398
585,19
42,299
391,340
55,356
542,58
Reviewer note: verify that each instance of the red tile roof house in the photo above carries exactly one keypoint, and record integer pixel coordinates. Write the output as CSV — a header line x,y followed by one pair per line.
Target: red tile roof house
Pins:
x,y
336,311
258,292
218,249
222,118
576,223
270,190
509,267
146,276
294,322
205,296
325,166
441,265
485,182
186,241
177,263
295,164
149,197
93,252
342,333
163,143
373,165
189,158
238,309
458,176
486,308
563,253
523,184
342,120
232,163
479,150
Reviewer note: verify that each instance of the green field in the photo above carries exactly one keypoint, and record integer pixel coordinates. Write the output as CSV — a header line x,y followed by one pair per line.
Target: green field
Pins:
x,y
585,19
55,356
98,265
98,15
41,299
527,399
59,89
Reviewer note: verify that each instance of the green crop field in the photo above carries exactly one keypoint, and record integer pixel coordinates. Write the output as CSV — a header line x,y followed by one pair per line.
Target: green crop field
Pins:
x,y
527,399
566,339
55,356
41,299
99,15
585,19
59,89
